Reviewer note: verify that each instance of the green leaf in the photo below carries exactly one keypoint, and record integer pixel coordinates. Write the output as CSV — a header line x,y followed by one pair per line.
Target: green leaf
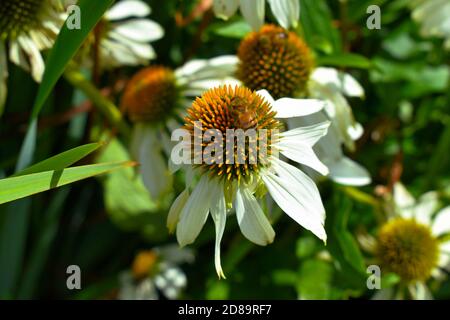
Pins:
x,y
127,201
318,29
343,247
314,280
41,247
62,160
349,60
23,186
66,46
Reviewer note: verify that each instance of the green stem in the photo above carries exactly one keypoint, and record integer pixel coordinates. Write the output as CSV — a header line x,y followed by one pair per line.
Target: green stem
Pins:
x,y
105,106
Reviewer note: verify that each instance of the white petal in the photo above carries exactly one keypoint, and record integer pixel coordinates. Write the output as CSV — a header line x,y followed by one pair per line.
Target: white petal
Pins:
x,y
287,12
17,56
342,81
195,212
426,206
128,8
308,135
34,56
297,195
253,11
155,175
302,153
403,200
225,8
219,215
252,220
175,210
142,30
143,50
288,107
441,223
348,172
266,95
207,69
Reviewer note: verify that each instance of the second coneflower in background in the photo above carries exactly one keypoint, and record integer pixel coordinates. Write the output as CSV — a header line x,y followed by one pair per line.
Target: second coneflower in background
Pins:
x,y
155,100
122,37
237,174
280,62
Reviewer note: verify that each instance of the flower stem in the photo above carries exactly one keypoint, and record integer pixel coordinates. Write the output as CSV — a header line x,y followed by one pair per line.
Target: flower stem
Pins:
x,y
105,106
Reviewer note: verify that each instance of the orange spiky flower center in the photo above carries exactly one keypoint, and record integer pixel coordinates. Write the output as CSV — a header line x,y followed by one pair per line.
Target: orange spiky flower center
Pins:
x,y
143,264
221,114
276,60
407,248
151,95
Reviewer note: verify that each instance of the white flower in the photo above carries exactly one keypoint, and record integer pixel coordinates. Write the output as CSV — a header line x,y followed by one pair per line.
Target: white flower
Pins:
x,y
426,226
332,86
287,12
280,62
158,272
125,34
155,99
434,18
225,186
26,28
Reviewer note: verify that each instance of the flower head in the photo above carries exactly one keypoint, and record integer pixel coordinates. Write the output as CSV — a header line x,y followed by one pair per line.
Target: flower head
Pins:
x,y
224,186
123,37
154,271
26,28
275,60
280,62
154,99
412,243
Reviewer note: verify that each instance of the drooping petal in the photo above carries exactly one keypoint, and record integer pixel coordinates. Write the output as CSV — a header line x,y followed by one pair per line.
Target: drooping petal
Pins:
x,y
36,61
289,107
297,195
155,174
253,11
287,12
348,172
195,212
127,9
219,215
142,30
342,81
441,223
252,221
175,210
225,8
266,95
207,69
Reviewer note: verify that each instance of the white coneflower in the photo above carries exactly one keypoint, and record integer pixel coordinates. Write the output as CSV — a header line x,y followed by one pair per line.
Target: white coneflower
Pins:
x,y
433,17
280,62
287,12
412,243
123,36
226,184
26,28
153,272
155,99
